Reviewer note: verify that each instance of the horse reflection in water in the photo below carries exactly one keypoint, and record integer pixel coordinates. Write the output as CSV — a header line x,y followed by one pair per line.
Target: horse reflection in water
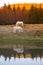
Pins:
x,y
28,53
19,50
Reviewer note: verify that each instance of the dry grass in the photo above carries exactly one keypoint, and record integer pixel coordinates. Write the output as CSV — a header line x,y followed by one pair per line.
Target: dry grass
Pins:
x,y
29,29
34,29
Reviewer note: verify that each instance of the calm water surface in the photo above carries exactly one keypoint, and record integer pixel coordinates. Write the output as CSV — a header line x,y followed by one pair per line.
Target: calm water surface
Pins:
x,y
27,57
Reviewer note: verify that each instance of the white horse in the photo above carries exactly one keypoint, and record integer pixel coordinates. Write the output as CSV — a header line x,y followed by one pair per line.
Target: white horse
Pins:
x,y
19,23
17,29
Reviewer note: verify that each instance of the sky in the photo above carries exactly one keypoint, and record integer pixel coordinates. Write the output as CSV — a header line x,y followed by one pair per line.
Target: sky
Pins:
x,y
19,1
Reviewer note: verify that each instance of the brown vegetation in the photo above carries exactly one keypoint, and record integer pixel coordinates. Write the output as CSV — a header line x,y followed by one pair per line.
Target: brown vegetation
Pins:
x,y
29,29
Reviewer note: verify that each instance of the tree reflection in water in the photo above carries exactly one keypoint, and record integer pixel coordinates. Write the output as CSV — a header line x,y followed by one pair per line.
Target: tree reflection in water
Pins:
x,y
28,53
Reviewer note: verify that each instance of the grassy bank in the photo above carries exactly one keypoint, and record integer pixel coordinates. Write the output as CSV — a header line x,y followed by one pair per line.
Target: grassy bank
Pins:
x,y
31,37
10,39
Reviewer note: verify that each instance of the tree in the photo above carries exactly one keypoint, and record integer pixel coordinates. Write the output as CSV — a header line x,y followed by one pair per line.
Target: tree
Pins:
x,y
5,6
4,14
23,9
24,14
14,10
32,16
18,14
9,7
40,14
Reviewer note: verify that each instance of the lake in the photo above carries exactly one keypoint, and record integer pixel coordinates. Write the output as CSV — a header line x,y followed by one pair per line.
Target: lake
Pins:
x,y
21,56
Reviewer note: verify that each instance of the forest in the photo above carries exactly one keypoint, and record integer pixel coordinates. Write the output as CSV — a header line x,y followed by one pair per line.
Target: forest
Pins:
x,y
9,16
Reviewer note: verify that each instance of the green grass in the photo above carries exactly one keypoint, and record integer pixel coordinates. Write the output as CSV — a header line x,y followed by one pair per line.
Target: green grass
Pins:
x,y
22,39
